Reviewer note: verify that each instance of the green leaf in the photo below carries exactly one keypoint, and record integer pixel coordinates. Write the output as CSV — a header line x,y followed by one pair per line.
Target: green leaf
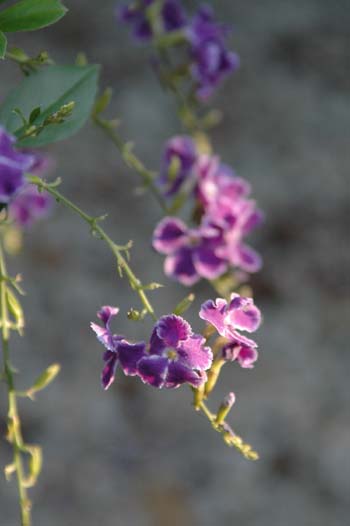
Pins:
x,y
3,44
28,15
50,89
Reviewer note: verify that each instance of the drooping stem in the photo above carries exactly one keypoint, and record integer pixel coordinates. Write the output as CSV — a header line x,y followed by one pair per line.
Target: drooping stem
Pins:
x,y
14,424
96,229
138,287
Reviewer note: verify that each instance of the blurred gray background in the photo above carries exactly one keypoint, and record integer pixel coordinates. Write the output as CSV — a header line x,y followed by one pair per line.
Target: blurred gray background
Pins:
x,y
134,456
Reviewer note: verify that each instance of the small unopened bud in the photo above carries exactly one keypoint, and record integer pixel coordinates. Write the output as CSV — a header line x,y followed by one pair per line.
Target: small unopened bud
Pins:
x,y
213,375
225,408
134,315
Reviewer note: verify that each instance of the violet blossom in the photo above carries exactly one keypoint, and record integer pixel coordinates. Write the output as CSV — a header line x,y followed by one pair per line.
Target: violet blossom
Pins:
x,y
13,165
229,318
211,60
29,204
175,355
191,254
135,14
178,160
118,350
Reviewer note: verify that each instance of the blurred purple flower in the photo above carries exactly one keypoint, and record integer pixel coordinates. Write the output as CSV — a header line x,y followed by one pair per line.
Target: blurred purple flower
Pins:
x,y
13,165
172,15
240,314
178,160
191,253
119,351
211,60
175,355
29,205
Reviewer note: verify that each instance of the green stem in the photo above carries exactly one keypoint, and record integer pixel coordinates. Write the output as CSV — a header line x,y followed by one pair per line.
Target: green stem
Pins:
x,y
117,250
131,160
14,424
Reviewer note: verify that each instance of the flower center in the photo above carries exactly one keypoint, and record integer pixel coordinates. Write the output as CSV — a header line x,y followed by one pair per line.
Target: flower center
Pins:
x,y
171,354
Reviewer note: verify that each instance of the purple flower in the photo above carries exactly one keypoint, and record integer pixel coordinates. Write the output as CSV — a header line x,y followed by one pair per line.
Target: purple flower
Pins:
x,y
13,165
175,355
245,356
178,160
211,60
173,15
224,200
240,314
29,205
119,351
135,14
191,253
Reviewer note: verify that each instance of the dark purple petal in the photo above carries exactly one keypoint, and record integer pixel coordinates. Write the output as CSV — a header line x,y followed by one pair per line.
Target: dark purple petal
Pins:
x,y
173,329
108,372
194,354
13,165
207,264
180,267
169,235
129,355
173,15
157,345
153,370
179,373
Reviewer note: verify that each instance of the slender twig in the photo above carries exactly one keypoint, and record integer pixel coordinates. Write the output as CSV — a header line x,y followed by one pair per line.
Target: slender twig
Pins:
x,y
96,229
14,424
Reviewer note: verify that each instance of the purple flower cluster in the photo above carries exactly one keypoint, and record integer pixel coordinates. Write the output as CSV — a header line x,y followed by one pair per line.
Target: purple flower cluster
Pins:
x,y
240,314
13,165
228,215
209,59
173,356
25,203
135,14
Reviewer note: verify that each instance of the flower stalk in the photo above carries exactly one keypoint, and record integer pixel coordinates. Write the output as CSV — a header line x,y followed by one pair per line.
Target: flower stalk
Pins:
x,y
14,434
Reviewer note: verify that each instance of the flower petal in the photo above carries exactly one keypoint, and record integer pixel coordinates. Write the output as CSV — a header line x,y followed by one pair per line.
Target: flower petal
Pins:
x,y
247,259
172,329
108,372
129,355
194,354
169,235
243,314
153,370
207,264
180,267
179,373
106,313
